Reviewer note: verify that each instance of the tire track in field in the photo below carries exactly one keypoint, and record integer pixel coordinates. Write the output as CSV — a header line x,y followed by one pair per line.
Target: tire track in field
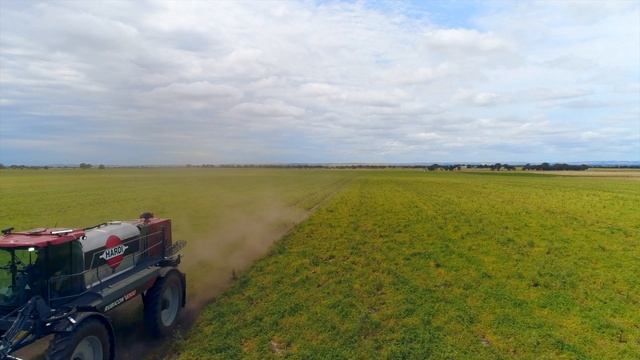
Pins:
x,y
335,188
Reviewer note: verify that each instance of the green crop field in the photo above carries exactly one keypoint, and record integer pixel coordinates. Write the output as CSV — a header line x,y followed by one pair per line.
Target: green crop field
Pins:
x,y
389,264
229,217
445,266
207,206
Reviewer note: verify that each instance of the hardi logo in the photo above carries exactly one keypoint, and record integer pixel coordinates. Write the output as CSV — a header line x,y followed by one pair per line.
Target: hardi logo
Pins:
x,y
114,253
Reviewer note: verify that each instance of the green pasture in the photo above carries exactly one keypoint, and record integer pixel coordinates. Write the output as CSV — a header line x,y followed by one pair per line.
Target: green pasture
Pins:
x,y
390,264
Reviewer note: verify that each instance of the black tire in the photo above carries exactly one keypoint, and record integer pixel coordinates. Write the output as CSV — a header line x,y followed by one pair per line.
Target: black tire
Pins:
x,y
81,343
162,304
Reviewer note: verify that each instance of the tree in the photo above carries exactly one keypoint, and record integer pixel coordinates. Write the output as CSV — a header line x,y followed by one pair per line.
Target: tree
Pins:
x,y
101,167
557,166
85,166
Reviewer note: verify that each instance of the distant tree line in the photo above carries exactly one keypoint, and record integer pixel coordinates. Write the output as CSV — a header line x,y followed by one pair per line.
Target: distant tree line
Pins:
x,y
434,167
620,167
541,167
46,167
547,167
494,167
308,166
24,167
89,166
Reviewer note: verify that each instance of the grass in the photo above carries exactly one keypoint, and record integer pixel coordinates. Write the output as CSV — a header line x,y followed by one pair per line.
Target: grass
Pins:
x,y
192,197
228,217
444,266
394,264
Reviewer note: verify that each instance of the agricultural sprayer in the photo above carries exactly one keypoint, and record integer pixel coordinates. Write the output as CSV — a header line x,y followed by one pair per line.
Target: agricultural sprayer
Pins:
x,y
62,282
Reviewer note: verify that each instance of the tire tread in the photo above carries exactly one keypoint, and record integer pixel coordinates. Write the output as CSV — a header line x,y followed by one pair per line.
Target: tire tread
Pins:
x,y
62,344
152,307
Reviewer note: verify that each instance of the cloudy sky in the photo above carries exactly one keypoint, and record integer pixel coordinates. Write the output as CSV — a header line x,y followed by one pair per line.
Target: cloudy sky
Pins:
x,y
151,82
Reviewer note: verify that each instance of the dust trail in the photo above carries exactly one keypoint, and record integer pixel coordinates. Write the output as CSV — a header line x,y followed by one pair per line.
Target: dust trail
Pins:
x,y
240,238
212,261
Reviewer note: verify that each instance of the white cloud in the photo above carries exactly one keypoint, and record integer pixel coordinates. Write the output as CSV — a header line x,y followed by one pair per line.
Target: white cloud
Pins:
x,y
465,40
197,94
477,98
269,108
320,89
425,136
546,94
404,75
239,81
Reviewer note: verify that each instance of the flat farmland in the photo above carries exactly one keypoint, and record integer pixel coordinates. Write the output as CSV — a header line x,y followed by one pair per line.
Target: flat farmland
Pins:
x,y
228,217
372,264
221,213
406,264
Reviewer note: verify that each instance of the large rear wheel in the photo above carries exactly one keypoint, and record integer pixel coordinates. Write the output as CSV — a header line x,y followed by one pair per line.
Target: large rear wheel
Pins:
x,y
88,341
162,304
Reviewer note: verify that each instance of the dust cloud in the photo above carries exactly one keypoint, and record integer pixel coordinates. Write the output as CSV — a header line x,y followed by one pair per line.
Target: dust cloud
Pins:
x,y
212,261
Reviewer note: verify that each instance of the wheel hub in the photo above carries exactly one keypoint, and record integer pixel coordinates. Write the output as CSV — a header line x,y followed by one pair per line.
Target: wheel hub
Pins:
x,y
169,305
89,348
